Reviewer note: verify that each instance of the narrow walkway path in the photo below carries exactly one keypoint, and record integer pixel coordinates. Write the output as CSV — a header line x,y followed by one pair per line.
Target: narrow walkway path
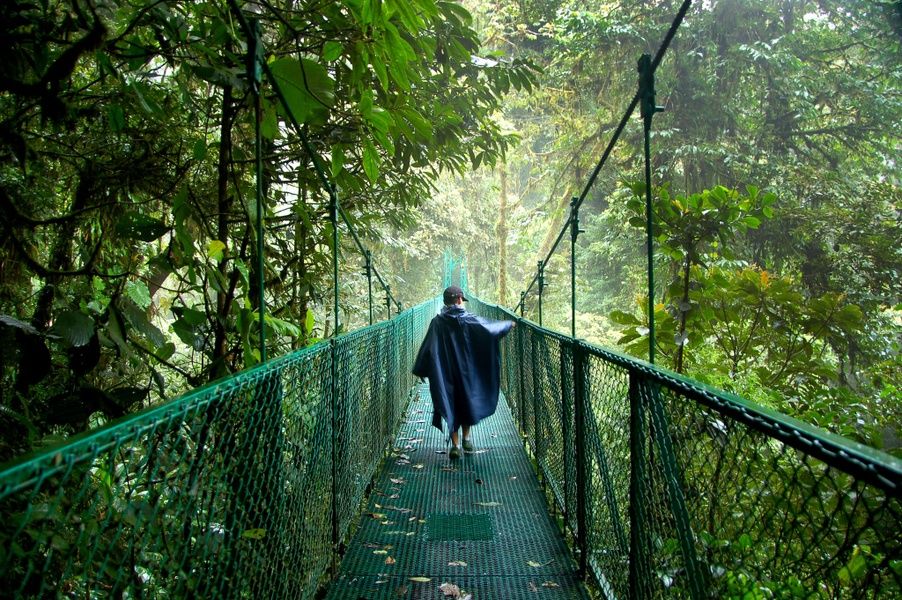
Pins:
x,y
479,523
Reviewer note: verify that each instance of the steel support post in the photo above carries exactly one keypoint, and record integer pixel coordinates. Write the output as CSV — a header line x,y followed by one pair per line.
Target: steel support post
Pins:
x,y
541,279
536,403
574,233
521,400
568,400
369,282
388,302
333,448
583,481
333,217
639,548
648,109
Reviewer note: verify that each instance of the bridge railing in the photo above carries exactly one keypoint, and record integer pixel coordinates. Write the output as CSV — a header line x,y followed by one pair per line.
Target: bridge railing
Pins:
x,y
244,488
674,489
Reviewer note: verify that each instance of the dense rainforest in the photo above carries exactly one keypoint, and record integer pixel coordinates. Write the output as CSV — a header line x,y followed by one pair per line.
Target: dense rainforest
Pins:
x,y
129,266
776,187
129,263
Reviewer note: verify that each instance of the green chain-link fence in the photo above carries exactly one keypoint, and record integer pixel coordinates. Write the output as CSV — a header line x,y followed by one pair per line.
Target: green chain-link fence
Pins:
x,y
248,487
673,489
244,488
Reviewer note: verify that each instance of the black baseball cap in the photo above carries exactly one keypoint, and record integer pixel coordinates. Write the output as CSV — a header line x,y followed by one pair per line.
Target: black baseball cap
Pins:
x,y
452,293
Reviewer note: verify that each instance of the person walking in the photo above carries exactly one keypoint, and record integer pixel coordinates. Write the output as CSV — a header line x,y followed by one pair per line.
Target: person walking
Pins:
x,y
460,356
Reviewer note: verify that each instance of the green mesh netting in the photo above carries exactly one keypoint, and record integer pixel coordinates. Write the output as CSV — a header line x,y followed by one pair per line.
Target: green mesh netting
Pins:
x,y
248,487
479,522
687,491
243,488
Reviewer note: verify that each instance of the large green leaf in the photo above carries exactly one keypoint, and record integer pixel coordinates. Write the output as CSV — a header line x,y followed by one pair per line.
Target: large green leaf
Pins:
x,y
338,159
370,161
308,89
332,50
138,292
75,327
190,315
115,117
127,397
137,317
136,226
308,322
623,318
188,333
115,329
17,324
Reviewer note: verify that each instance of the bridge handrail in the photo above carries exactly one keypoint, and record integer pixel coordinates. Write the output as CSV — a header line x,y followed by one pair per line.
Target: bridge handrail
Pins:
x,y
247,486
635,455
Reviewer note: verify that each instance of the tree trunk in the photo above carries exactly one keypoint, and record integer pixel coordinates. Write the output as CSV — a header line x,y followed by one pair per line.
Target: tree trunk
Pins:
x,y
60,260
301,288
502,239
61,254
224,205
554,228
684,302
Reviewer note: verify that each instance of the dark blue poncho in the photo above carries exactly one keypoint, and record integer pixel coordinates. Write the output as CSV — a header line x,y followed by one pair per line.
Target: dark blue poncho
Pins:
x,y
461,358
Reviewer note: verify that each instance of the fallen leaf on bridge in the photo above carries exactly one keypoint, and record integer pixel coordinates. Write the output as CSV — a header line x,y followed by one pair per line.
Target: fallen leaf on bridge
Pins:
x,y
533,563
452,591
449,589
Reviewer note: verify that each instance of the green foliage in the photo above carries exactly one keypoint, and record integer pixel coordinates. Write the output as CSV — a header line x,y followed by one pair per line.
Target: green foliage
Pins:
x,y
796,98
742,328
127,182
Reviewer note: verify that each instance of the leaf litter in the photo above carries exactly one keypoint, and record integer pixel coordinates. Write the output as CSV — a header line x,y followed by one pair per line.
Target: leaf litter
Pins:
x,y
452,591
536,564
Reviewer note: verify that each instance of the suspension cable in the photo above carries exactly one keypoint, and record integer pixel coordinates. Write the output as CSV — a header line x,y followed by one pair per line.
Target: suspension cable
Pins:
x,y
308,148
630,109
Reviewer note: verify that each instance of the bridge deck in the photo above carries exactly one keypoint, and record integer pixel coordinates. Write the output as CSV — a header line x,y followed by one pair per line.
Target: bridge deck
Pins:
x,y
479,523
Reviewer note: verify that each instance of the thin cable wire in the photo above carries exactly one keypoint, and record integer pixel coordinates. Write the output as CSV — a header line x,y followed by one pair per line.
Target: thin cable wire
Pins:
x,y
665,44
305,142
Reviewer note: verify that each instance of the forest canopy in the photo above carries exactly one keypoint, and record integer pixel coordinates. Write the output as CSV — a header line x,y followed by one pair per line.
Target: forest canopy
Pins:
x,y
776,193
128,261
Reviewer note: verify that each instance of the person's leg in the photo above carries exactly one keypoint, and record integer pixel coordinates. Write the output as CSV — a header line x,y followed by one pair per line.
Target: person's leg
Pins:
x,y
455,451
455,441
468,445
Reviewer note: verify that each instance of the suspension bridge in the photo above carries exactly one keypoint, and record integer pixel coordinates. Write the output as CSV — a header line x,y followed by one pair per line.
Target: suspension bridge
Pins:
x,y
598,467
316,474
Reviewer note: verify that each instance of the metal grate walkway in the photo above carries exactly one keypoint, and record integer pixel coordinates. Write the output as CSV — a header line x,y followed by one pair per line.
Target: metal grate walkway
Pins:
x,y
480,523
